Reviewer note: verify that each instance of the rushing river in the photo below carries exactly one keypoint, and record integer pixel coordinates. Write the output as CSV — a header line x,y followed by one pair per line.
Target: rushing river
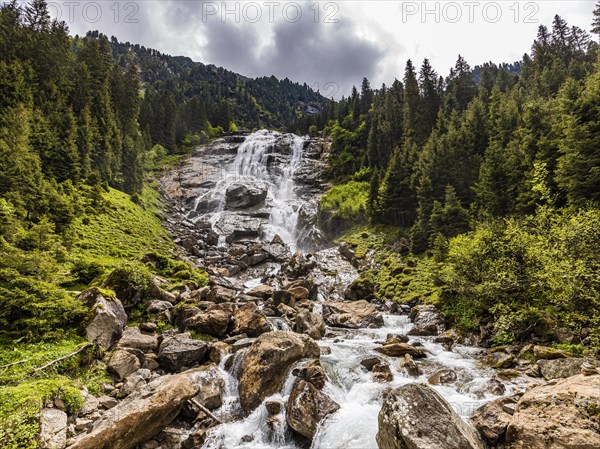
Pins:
x,y
354,425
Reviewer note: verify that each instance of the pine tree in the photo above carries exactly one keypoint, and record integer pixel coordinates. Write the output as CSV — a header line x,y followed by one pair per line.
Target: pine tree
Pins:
x,y
596,22
414,129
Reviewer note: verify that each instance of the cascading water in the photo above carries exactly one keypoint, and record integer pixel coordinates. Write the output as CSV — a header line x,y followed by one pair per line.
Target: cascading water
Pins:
x,y
257,163
270,159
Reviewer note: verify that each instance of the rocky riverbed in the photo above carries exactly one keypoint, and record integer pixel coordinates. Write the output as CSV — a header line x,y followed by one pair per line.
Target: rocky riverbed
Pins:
x,y
291,356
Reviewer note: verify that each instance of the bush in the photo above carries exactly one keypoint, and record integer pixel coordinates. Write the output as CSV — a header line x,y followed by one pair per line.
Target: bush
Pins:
x,y
348,200
532,276
85,271
33,308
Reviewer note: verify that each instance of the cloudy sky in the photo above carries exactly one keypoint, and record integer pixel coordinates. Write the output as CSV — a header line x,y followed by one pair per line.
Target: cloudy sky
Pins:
x,y
330,45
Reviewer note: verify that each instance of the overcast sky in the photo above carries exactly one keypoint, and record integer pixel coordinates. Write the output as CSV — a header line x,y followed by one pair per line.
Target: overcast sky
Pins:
x,y
329,45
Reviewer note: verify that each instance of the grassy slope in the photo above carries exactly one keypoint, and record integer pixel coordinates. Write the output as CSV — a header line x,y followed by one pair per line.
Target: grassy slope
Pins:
x,y
117,232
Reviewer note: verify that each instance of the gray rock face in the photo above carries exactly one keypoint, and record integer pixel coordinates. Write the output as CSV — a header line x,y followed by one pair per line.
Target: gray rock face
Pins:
x,y
241,195
235,227
53,430
108,318
133,338
415,416
181,351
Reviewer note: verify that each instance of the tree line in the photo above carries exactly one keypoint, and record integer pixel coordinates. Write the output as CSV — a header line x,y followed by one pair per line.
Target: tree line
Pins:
x,y
493,141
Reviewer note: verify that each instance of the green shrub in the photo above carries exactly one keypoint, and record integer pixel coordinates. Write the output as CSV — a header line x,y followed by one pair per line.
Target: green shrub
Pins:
x,y
348,200
531,276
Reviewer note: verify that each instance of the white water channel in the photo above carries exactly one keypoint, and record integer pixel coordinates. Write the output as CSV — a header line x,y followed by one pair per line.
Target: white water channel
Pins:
x,y
360,398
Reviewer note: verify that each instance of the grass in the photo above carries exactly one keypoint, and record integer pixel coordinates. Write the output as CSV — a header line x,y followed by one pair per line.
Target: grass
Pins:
x,y
122,230
23,391
349,200
398,278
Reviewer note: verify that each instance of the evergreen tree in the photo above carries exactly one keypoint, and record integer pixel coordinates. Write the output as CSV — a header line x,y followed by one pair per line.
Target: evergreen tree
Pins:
x,y
596,22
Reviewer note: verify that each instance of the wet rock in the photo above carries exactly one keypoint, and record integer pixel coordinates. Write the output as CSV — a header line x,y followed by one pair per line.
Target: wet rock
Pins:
x,y
273,407
283,297
181,351
143,415
211,396
133,338
307,407
559,368
53,429
218,350
409,366
401,349
416,416
313,373
236,227
427,320
122,363
249,320
108,318
242,195
492,419
311,324
561,415
443,377
299,293
265,364
500,360
352,315
370,362
382,373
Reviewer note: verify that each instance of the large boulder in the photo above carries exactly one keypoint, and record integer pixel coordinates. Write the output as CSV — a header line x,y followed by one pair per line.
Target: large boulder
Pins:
x,y
53,429
311,324
415,416
249,320
134,338
181,351
265,364
427,320
235,227
562,415
211,395
492,419
123,362
307,407
559,368
142,415
212,322
107,317
241,195
352,315
399,349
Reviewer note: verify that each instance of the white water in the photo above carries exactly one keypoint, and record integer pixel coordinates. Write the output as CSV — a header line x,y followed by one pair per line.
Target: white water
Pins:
x,y
354,426
252,166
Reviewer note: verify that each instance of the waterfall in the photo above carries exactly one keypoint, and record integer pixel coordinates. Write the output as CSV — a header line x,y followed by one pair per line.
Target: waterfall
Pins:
x,y
265,158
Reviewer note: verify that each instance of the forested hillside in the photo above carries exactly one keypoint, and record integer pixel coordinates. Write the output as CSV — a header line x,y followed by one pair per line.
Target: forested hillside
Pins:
x,y
509,155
